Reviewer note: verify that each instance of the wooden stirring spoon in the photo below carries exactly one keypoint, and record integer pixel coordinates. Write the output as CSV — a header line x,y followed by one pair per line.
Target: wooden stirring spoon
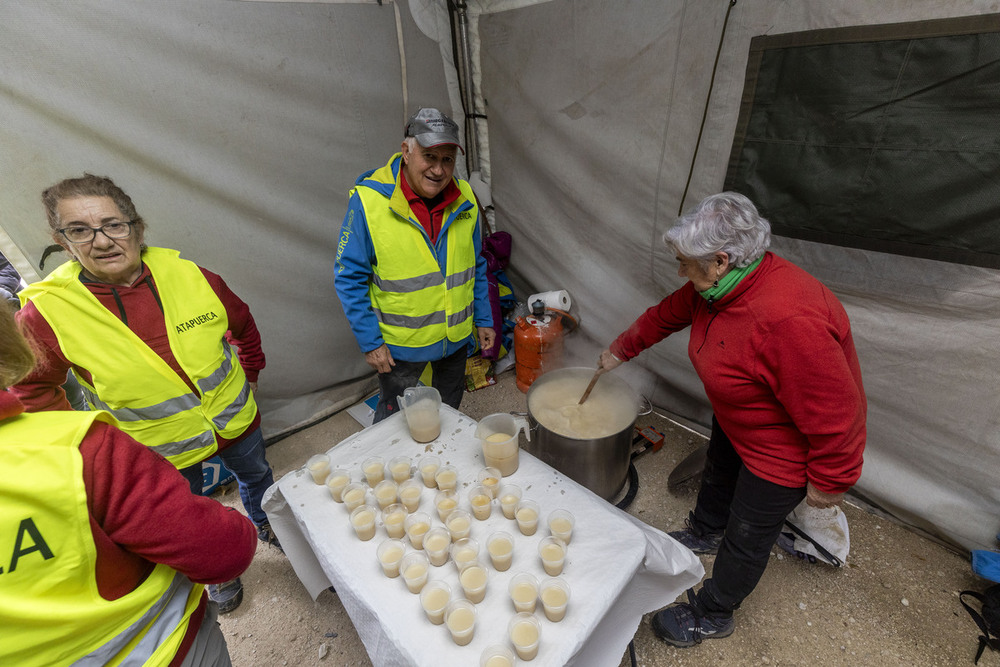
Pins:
x,y
590,387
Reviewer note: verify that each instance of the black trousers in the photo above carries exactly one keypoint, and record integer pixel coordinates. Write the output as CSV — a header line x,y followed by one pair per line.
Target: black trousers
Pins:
x,y
750,510
448,378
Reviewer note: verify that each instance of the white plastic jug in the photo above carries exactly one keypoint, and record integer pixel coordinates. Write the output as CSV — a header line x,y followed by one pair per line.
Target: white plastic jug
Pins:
x,y
422,409
498,435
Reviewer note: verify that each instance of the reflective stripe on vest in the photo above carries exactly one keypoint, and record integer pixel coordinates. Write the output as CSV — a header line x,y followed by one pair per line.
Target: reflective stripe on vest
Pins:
x,y
50,609
155,627
416,305
167,450
186,402
154,404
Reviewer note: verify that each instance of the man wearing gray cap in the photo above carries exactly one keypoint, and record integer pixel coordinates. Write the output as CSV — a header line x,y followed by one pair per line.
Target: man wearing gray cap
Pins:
x,y
409,272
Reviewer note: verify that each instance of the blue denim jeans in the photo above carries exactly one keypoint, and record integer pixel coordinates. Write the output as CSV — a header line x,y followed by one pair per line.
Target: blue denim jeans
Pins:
x,y
247,462
750,510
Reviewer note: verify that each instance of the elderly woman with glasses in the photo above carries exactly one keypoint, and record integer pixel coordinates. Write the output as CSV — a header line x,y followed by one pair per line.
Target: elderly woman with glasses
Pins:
x,y
150,337
774,350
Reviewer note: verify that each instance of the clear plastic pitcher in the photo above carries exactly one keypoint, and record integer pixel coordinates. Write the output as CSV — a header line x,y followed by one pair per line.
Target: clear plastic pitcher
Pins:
x,y
422,408
498,435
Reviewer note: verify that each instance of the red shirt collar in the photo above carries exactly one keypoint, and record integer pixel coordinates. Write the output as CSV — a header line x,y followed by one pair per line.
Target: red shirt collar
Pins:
x,y
10,406
448,195
430,219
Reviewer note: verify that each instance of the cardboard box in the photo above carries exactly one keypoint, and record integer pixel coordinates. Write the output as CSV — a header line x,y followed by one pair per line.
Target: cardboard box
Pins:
x,y
214,474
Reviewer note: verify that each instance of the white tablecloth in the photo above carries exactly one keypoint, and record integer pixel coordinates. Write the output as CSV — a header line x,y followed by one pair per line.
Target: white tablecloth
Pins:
x,y
618,568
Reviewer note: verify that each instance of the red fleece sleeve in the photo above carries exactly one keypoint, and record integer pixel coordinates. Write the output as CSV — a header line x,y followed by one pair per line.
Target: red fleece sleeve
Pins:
x,y
42,389
669,316
242,328
144,505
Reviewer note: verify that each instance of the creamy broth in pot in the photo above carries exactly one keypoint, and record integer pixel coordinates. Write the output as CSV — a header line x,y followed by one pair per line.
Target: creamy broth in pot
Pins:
x,y
555,405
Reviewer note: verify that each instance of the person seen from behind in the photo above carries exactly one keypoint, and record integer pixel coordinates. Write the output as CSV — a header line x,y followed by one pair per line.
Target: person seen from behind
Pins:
x,y
109,550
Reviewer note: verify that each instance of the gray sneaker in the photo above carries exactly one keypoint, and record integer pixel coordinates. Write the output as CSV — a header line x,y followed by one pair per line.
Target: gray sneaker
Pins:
x,y
267,536
228,595
680,625
697,541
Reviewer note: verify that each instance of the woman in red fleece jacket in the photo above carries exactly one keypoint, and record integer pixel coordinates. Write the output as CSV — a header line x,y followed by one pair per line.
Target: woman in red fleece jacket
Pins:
x,y
104,543
773,347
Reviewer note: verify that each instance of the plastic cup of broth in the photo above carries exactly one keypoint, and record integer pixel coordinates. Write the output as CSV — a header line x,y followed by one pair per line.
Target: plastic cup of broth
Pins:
x,y
561,523
445,501
523,591
386,493
394,518
526,514
434,598
374,470
459,524
510,496
464,552
428,467
363,521
318,467
414,568
525,633
409,494
500,546
437,541
390,553
446,477
481,501
497,655
399,468
552,551
336,482
473,579
416,526
460,617
490,478
554,594
354,495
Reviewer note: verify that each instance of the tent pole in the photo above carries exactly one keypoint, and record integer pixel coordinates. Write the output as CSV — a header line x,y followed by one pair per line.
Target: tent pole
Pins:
x,y
468,92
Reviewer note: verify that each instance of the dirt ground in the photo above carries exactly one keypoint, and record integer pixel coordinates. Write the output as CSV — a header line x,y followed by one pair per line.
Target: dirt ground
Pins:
x,y
894,603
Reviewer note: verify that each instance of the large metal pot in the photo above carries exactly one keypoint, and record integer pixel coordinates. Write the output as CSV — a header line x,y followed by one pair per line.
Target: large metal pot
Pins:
x,y
598,463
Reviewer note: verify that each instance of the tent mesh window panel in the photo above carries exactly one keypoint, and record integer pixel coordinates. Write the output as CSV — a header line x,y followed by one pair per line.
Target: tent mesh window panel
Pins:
x,y
883,138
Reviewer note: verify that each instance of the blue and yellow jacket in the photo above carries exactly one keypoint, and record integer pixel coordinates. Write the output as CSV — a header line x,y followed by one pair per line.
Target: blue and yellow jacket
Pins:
x,y
356,258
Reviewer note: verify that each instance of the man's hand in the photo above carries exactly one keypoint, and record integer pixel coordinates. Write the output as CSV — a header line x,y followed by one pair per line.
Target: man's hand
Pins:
x,y
487,336
253,387
609,361
820,500
380,359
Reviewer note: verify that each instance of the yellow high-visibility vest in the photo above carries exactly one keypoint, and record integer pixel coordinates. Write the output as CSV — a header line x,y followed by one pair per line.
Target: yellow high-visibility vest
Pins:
x,y
416,305
51,613
149,399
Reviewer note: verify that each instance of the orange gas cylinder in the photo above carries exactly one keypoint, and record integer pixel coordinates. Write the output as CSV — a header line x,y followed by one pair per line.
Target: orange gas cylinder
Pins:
x,y
538,345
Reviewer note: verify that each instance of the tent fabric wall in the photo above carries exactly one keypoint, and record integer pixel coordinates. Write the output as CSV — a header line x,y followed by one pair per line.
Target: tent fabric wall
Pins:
x,y
238,129
592,135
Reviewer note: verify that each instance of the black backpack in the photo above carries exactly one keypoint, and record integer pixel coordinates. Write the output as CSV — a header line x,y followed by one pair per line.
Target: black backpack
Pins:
x,y
988,618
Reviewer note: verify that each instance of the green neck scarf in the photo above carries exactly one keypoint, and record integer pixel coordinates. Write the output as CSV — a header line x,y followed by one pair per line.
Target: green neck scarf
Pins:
x,y
728,282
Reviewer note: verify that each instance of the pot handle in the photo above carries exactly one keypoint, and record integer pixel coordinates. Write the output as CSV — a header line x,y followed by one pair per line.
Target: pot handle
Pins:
x,y
647,406
521,422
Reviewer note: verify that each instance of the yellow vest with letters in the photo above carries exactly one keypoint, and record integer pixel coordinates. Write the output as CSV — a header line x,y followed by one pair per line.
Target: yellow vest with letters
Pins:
x,y
51,613
149,400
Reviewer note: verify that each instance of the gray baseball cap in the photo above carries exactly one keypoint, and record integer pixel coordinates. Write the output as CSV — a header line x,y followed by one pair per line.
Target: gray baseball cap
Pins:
x,y
432,128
